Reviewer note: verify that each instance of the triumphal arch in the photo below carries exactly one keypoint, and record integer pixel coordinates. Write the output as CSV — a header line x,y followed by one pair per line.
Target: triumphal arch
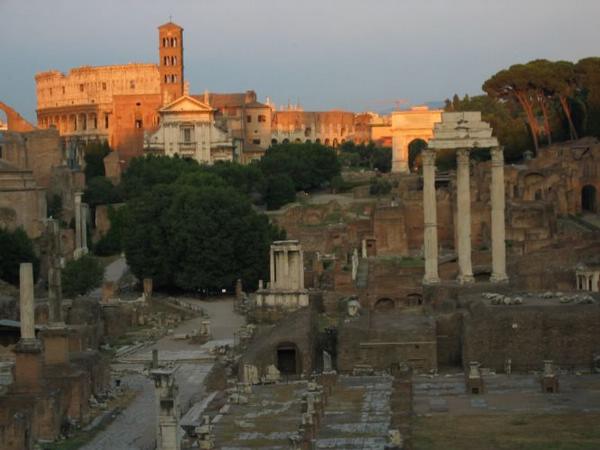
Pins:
x,y
415,123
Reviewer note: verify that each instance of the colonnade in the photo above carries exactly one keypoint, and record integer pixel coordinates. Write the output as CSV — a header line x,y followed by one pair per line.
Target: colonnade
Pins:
x,y
463,217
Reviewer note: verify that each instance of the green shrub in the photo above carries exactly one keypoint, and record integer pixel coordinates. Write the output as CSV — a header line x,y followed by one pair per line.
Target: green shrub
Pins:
x,y
81,276
380,186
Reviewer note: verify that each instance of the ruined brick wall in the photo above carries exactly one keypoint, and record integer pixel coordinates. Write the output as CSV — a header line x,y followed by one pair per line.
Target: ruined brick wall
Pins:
x,y
298,328
449,339
383,340
39,151
567,334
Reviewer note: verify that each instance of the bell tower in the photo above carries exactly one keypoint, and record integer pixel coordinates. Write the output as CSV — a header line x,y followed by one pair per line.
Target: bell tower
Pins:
x,y
170,64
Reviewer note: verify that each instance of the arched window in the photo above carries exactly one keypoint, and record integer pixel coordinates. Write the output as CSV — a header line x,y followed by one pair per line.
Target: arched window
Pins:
x,y
174,78
166,61
174,61
174,42
166,78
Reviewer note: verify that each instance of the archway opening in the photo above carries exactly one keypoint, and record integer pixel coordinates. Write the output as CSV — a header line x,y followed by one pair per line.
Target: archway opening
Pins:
x,y
384,304
415,148
288,359
588,198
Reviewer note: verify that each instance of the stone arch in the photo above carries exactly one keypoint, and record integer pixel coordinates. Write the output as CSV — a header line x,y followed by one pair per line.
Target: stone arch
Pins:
x,y
589,198
414,299
415,147
416,123
14,121
273,141
288,358
286,141
532,183
384,304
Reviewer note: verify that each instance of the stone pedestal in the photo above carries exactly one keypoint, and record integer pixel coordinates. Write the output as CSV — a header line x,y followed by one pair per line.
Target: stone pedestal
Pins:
x,y
498,224
430,244
29,366
463,217
56,345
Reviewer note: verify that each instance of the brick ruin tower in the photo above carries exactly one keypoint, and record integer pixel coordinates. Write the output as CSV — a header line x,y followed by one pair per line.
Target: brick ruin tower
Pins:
x,y
170,64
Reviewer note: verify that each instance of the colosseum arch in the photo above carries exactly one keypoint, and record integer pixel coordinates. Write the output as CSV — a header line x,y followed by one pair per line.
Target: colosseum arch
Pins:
x,y
14,120
416,123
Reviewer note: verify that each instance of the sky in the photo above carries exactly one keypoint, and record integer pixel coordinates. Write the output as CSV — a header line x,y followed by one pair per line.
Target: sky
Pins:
x,y
327,54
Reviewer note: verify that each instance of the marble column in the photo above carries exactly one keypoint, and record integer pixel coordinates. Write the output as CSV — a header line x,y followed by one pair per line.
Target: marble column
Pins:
x,y
498,224
77,214
84,216
463,217
26,302
430,238
54,273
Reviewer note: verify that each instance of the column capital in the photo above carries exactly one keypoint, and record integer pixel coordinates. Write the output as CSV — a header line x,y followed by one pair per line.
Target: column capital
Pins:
x,y
462,156
428,156
497,154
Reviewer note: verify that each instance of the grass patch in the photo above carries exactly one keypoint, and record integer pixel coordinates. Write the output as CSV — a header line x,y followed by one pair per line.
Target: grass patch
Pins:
x,y
574,431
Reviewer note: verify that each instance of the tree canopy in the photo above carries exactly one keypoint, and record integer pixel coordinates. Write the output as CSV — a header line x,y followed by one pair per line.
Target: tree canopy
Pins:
x,y
557,100
197,237
16,248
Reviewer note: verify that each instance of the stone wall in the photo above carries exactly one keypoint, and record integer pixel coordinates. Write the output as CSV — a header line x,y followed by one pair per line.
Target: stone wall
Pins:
x,y
298,329
382,340
567,334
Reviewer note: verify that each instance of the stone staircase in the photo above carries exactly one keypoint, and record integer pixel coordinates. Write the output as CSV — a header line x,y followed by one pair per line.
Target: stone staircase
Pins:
x,y
362,274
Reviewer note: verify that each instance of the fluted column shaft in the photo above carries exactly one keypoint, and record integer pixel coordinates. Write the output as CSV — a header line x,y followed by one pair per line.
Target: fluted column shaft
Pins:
x,y
498,223
430,238
463,217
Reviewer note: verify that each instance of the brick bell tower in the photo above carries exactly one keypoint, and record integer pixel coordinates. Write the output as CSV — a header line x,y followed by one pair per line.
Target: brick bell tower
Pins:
x,y
170,64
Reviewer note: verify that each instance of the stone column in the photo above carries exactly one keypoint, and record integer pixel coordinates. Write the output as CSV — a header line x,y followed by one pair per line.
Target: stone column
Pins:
x,y
77,214
84,215
463,217
498,224
26,303
28,351
272,259
54,273
301,269
430,238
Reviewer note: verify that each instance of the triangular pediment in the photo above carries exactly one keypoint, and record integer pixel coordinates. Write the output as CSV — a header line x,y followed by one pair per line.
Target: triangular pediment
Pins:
x,y
186,104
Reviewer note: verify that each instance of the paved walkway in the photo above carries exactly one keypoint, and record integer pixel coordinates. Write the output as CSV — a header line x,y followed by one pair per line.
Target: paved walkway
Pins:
x,y
135,428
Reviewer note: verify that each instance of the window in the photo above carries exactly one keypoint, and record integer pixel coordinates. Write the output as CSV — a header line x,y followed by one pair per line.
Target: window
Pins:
x,y
50,91
174,78
174,41
132,84
81,88
165,60
256,141
103,86
138,123
174,60
166,78
262,118
187,135
63,89
248,119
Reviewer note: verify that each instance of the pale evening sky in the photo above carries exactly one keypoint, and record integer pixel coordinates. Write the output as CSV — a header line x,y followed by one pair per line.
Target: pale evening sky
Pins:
x,y
349,54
